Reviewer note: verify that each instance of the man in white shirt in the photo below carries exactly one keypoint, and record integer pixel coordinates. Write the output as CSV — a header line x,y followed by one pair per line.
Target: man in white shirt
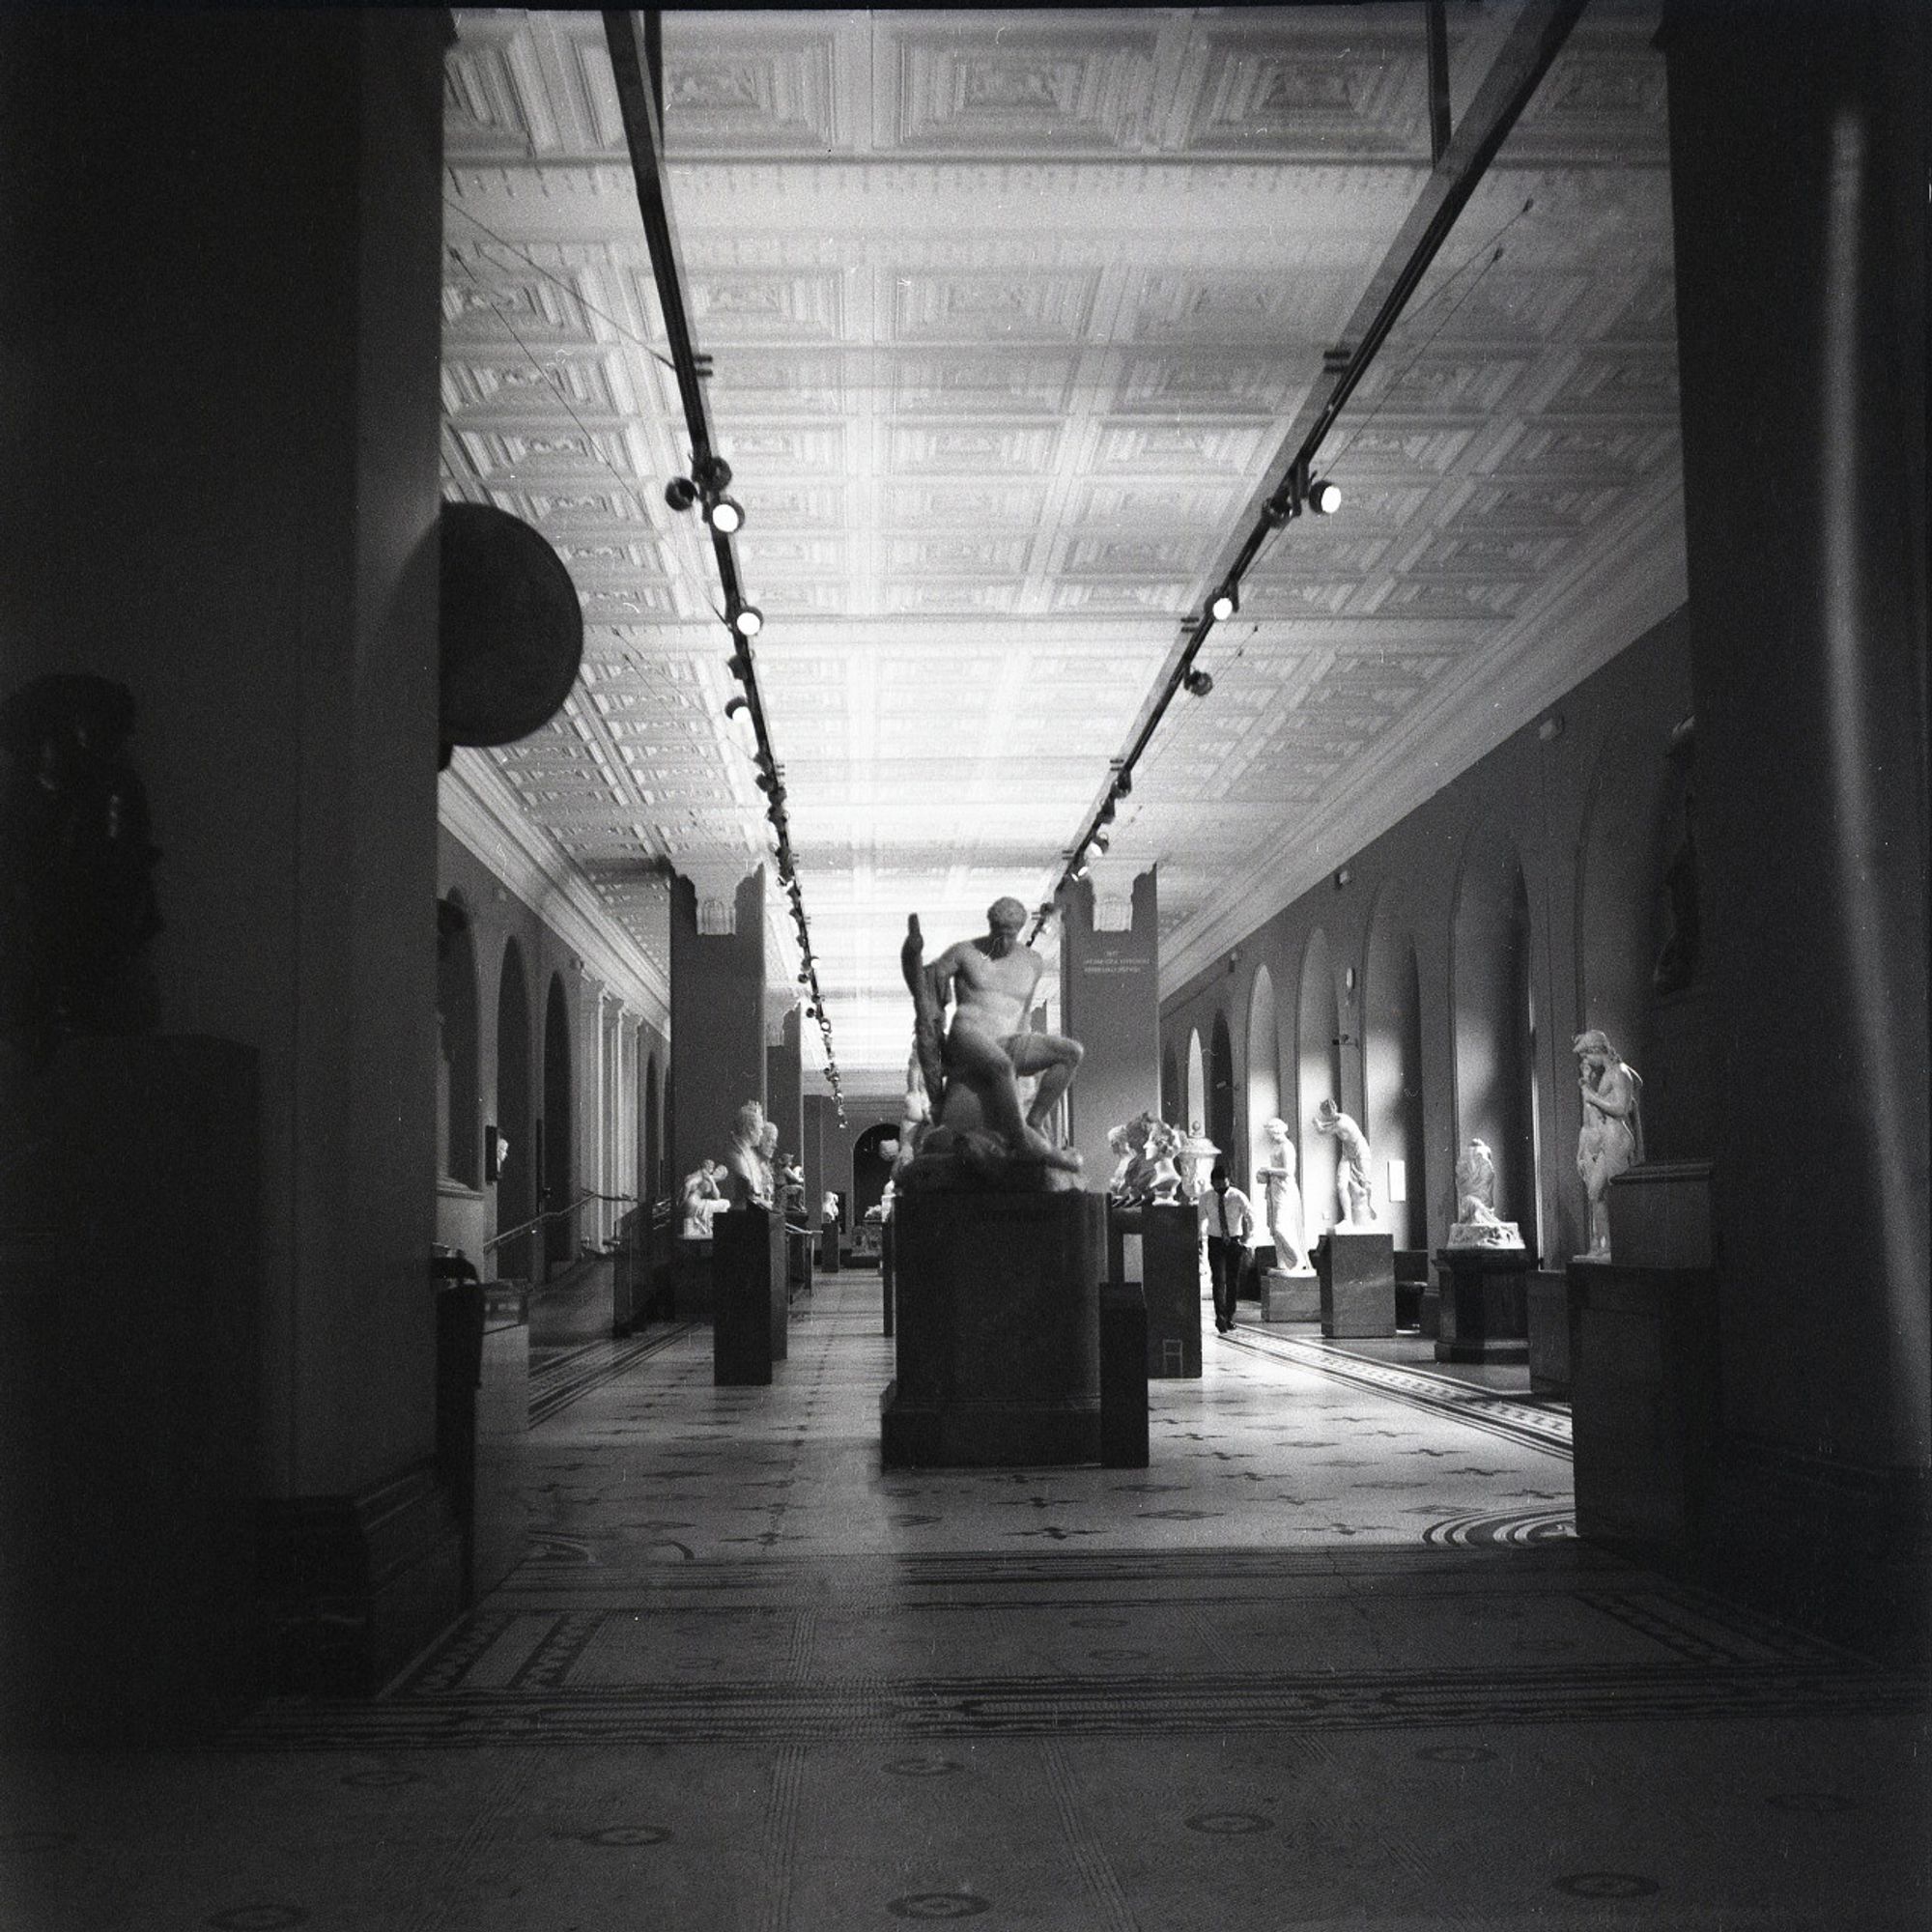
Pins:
x,y
1226,1222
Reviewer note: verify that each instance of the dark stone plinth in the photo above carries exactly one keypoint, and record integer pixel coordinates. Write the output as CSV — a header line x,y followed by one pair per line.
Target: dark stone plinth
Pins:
x,y
1291,1297
828,1250
885,1281
1124,1377
690,1297
750,1305
1644,1401
1170,1286
1484,1312
1357,1275
1411,1283
1549,1299
798,1276
999,1331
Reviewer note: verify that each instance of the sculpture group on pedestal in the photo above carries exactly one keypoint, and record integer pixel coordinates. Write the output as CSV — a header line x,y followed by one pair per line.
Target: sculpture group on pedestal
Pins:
x,y
1354,1194
1476,1225
704,1200
1145,1175
1283,1201
978,1134
1192,1161
1612,1135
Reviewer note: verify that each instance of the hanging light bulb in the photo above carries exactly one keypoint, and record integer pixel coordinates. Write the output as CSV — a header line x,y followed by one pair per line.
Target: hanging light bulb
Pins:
x,y
747,620
680,492
1199,683
1324,496
711,474
1223,605
725,515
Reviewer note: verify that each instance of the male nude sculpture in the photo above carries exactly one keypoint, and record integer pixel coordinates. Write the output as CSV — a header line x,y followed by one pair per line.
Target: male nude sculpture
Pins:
x,y
988,1047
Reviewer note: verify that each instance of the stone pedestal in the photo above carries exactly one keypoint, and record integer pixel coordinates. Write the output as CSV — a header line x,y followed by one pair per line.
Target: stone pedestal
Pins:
x,y
1356,1268
798,1277
1124,1377
999,1342
1548,1302
691,1298
1643,1394
1661,1215
750,1307
1169,1277
1483,1308
1291,1297
887,1262
1412,1284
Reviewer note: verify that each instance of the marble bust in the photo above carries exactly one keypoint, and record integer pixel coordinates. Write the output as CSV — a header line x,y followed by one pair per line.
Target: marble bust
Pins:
x,y
746,1178
1194,1158
1283,1197
1353,1193
1611,1139
1476,1225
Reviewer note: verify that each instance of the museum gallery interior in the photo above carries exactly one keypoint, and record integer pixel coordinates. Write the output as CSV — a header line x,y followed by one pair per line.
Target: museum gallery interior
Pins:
x,y
965,964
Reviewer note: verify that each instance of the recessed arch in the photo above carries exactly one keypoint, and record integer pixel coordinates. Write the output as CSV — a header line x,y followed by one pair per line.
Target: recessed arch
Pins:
x,y
515,1121
458,1117
1318,1078
1196,1083
560,1174
1221,1084
1171,1100
1264,1059
1493,1022
1392,1068
872,1168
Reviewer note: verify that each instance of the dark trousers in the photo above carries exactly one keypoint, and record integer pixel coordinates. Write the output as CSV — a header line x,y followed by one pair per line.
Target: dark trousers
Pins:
x,y
1225,1255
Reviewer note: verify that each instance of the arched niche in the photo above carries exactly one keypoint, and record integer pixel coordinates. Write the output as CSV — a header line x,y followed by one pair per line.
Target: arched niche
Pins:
x,y
1196,1114
1494,1023
1318,1078
1264,1068
459,1120
1170,1086
559,1179
516,1117
1392,1070
1221,1086
872,1168
653,1181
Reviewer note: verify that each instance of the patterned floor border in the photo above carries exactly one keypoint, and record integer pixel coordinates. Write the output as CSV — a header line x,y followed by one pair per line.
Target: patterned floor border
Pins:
x,y
918,1709
1495,1413
568,1377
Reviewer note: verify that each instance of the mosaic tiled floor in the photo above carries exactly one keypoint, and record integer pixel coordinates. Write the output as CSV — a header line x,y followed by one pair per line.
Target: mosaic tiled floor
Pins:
x,y
1334,1659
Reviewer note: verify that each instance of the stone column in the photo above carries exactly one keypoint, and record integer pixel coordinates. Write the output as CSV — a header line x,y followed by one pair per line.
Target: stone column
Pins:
x,y
716,1011
1110,1003
1798,201
219,328
784,1103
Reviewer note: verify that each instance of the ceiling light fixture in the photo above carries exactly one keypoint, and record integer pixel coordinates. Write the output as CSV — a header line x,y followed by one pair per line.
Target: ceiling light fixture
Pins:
x,y
1324,496
747,620
725,515
680,492
711,474
1199,683
1225,602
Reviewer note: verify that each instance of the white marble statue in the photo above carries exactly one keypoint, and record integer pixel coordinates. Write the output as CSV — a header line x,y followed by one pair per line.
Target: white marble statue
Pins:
x,y
915,1117
1283,1197
1127,1142
768,1159
1476,1225
704,1200
747,1180
1612,1135
1160,1184
974,1063
1354,1194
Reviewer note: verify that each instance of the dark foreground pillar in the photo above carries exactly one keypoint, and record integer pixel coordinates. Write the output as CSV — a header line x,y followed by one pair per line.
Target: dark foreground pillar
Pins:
x,y
751,1306
999,1334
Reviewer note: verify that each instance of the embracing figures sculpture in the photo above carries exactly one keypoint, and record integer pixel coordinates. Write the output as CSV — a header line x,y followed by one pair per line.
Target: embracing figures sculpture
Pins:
x,y
973,1066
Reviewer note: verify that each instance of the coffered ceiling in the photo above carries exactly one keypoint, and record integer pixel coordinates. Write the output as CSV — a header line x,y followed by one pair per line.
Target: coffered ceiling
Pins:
x,y
1010,313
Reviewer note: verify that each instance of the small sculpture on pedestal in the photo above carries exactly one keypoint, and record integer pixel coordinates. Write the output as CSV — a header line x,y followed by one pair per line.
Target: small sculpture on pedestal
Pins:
x,y
748,1181
979,1134
1476,1225
1283,1201
1163,1185
768,1159
703,1198
1353,1193
1612,1135
1128,1142
1189,1157
915,1117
